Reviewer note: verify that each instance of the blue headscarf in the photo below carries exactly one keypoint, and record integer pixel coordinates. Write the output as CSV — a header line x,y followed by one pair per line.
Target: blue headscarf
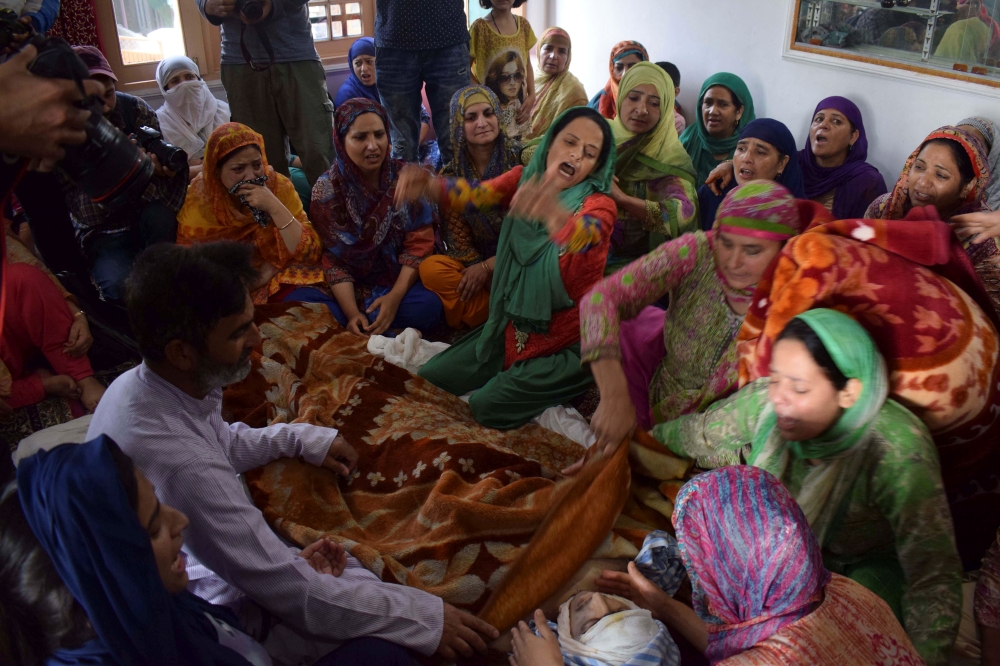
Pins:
x,y
770,131
353,87
75,504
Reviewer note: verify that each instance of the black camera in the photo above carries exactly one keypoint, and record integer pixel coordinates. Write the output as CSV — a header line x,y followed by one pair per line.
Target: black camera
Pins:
x,y
10,26
108,167
170,156
252,10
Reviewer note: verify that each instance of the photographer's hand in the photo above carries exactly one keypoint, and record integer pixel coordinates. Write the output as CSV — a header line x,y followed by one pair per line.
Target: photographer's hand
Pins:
x,y
37,117
158,169
220,8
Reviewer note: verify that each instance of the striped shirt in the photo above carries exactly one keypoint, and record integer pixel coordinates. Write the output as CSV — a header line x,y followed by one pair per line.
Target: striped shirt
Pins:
x,y
192,457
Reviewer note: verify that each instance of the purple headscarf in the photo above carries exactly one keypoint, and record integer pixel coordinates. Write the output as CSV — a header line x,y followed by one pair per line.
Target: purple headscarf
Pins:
x,y
856,182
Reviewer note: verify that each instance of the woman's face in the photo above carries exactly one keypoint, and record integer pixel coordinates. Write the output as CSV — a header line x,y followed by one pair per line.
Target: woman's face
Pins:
x,y
481,125
574,153
502,5
511,79
742,260
624,65
831,136
180,77
165,526
757,160
553,56
719,112
588,608
805,401
244,163
641,109
364,69
934,180
367,143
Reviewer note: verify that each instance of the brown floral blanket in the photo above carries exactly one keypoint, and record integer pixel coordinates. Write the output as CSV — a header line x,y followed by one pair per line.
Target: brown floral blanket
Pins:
x,y
437,501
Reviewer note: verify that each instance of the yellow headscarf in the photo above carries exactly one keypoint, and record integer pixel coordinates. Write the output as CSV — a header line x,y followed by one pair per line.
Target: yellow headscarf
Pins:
x,y
658,152
555,93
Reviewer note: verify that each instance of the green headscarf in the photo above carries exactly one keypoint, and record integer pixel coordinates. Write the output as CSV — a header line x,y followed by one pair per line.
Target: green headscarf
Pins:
x,y
699,144
658,152
527,286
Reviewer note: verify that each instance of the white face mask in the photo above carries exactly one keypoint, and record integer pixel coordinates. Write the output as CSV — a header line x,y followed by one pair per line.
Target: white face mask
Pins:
x,y
192,102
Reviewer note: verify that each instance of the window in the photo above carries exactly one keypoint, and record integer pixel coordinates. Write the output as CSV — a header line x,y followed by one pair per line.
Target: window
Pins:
x,y
950,39
336,24
139,33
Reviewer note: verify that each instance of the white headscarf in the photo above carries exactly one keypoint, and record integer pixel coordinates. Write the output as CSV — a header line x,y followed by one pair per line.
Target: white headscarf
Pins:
x,y
190,112
615,639
992,134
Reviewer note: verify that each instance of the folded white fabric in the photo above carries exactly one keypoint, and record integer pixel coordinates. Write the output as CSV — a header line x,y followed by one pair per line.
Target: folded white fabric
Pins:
x,y
407,350
615,639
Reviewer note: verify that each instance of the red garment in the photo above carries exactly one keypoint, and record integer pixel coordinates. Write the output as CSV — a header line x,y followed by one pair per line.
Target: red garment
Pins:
x,y
36,320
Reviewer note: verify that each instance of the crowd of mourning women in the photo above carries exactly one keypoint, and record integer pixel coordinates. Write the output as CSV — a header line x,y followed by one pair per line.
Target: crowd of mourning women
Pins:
x,y
822,340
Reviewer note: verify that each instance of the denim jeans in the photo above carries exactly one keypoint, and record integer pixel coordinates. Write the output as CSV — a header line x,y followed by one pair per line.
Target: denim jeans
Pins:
x,y
401,74
420,308
112,254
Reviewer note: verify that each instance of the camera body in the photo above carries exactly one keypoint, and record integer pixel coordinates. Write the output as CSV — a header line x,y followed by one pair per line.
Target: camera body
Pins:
x,y
108,167
170,156
251,10
11,26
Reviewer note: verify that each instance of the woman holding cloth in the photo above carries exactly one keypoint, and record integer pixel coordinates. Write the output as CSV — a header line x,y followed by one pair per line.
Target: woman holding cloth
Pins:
x,y
556,88
725,107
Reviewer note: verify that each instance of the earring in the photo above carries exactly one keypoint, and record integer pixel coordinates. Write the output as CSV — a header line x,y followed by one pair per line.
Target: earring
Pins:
x,y
779,174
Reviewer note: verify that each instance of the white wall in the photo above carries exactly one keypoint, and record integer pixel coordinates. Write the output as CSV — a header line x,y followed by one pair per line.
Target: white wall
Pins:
x,y
745,37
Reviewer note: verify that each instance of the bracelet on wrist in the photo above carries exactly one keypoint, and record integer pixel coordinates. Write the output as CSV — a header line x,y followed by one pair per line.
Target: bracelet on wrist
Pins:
x,y
287,224
79,312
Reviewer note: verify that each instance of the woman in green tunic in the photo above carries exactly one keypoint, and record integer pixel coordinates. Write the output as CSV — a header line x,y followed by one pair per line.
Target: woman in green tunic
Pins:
x,y
725,106
863,468
655,190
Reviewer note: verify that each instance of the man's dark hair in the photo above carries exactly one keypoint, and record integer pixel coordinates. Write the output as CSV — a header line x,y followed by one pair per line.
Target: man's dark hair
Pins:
x,y
181,293
671,69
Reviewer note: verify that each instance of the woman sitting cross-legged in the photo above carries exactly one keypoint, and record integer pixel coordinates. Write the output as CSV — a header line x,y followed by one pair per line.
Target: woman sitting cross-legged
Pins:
x,y
863,468
655,187
552,249
92,572
372,248
765,151
461,275
653,366
239,197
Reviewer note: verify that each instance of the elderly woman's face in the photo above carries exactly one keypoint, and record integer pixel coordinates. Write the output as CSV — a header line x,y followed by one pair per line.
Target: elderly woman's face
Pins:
x,y
511,79
641,109
367,143
180,77
623,65
754,159
244,163
588,608
553,56
481,125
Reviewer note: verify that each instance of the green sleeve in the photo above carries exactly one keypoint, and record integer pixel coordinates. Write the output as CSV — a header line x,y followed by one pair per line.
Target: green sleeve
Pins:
x,y
908,490
721,435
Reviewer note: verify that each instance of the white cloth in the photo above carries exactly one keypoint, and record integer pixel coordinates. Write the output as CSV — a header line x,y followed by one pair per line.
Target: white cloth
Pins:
x,y
71,432
190,112
407,350
615,639
192,457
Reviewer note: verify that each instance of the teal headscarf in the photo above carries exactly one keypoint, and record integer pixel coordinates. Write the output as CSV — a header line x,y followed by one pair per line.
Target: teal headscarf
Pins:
x,y
696,140
527,286
855,355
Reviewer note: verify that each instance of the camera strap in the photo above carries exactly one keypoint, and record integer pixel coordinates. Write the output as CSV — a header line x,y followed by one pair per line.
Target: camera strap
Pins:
x,y
264,40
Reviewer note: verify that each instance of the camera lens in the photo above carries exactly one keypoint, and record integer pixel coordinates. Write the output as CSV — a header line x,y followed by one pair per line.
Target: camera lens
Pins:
x,y
253,10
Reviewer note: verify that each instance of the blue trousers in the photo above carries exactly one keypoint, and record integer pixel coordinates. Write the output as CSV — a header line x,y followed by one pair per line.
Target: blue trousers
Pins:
x,y
420,309
112,254
367,651
400,75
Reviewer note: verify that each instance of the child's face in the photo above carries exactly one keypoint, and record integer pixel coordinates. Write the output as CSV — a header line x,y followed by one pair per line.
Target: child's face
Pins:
x,y
587,608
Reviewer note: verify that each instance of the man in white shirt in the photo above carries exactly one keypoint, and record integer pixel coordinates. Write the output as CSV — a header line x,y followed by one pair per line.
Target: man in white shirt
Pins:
x,y
192,315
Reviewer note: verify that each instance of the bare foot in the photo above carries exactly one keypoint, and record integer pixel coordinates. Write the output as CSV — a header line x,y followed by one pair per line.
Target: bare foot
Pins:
x,y
62,386
91,392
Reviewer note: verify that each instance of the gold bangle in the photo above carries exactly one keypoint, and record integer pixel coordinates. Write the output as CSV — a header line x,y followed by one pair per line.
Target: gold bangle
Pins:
x,y
80,312
288,224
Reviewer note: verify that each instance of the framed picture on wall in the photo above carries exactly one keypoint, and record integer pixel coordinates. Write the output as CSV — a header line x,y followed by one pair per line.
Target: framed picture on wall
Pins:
x,y
947,42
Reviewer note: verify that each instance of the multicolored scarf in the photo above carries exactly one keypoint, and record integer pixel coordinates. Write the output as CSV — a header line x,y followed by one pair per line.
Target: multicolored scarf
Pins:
x,y
658,152
853,179
759,209
755,565
358,223
700,145
527,285
554,93
896,204
608,102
